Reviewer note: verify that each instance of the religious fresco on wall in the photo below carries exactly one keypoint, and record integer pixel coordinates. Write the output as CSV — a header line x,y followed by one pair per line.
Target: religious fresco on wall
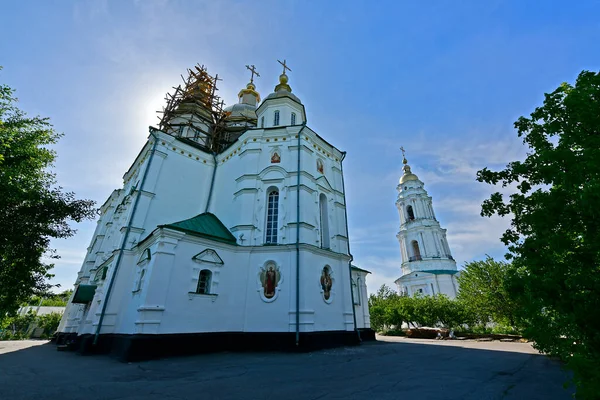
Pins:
x,y
326,282
319,165
275,159
269,278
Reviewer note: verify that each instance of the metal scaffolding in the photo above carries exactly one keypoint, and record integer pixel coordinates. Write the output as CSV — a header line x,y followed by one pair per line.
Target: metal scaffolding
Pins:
x,y
195,112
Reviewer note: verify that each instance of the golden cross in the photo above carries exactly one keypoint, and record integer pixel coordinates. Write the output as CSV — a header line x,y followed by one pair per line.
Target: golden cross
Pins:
x,y
284,66
402,148
252,69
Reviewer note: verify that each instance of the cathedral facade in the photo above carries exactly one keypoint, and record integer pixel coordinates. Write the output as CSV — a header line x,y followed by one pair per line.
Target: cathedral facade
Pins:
x,y
428,267
230,231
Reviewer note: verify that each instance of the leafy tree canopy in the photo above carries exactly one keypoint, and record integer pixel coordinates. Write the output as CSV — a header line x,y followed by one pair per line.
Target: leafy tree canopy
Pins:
x,y
33,209
482,288
554,238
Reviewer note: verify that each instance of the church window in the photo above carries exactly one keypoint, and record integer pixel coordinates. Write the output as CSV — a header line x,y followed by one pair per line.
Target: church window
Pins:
x,y
140,281
410,213
262,121
276,118
272,217
293,118
324,221
356,291
204,282
416,252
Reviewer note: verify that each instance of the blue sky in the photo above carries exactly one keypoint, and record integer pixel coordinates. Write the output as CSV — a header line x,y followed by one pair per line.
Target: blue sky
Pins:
x,y
445,79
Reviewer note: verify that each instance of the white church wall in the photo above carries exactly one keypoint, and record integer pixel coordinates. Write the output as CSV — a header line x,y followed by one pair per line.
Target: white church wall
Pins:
x,y
165,303
361,299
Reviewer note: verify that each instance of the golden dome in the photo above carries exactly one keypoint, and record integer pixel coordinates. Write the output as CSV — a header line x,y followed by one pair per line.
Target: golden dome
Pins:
x,y
283,83
408,175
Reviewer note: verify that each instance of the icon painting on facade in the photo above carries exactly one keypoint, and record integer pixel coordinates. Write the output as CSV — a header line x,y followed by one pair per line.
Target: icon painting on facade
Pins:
x,y
320,165
269,278
326,282
275,159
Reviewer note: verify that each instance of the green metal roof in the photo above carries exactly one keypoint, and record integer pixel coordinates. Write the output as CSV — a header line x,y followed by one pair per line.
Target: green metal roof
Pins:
x,y
84,294
440,271
205,225
354,267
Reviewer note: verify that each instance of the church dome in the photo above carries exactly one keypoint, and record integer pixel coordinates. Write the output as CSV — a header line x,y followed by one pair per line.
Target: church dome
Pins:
x,y
408,175
241,111
283,90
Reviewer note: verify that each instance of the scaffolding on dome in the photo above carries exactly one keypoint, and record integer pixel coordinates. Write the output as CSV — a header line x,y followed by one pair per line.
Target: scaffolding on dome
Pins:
x,y
195,112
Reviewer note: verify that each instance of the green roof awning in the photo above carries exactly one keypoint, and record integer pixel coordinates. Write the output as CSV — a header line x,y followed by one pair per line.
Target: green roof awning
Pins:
x,y
84,294
205,225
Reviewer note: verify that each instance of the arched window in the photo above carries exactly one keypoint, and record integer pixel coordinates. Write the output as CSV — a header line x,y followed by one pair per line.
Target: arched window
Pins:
x,y
410,213
356,291
140,281
204,282
324,221
276,118
293,118
415,250
272,217
262,121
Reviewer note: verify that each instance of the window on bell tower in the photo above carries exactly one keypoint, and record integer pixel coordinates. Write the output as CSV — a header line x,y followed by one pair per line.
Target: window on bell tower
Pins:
x,y
410,213
262,121
276,118
415,250
293,118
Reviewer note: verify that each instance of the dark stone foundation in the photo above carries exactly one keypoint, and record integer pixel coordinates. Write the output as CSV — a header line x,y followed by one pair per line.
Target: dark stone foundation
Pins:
x,y
144,347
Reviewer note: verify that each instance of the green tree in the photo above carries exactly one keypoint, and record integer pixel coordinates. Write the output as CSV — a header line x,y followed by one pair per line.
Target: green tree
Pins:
x,y
49,323
33,209
554,238
482,288
381,308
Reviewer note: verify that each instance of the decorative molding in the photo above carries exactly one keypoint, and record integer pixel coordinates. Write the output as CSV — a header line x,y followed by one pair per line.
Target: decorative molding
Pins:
x,y
209,256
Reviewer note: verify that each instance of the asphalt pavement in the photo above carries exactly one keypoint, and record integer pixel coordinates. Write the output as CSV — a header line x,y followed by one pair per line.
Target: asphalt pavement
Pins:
x,y
391,368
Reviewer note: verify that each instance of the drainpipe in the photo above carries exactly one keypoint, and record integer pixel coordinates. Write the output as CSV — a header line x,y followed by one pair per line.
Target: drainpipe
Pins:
x,y
125,237
350,254
212,182
298,241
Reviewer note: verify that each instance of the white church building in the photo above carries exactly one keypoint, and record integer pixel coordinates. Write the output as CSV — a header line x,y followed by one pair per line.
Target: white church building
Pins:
x,y
428,267
230,232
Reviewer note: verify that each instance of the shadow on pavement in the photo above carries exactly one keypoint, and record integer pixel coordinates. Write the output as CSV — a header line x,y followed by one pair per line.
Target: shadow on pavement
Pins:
x,y
374,370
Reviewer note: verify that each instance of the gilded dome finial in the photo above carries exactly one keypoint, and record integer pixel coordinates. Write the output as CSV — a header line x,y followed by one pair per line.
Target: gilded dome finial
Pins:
x,y
404,161
250,95
408,175
283,78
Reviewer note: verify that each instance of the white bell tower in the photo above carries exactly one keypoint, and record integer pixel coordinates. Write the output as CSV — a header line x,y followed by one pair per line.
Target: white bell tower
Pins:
x,y
428,267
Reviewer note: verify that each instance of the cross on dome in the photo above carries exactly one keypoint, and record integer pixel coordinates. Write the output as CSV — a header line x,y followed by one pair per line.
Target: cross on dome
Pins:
x,y
283,79
253,70
403,155
284,66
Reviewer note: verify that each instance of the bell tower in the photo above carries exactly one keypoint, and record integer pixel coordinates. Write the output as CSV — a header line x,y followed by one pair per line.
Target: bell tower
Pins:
x,y
426,256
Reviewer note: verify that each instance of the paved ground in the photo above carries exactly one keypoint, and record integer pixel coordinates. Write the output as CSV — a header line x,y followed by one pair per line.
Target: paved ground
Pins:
x,y
395,368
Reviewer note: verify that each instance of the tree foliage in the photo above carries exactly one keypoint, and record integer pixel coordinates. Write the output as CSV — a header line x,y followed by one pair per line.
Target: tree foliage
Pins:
x,y
554,238
482,287
389,309
33,209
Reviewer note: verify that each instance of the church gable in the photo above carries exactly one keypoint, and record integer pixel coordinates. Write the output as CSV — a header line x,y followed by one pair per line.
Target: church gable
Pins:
x,y
205,225
208,256
324,184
